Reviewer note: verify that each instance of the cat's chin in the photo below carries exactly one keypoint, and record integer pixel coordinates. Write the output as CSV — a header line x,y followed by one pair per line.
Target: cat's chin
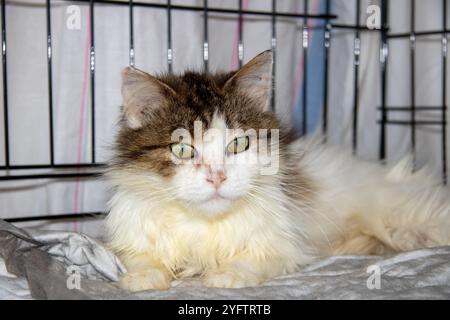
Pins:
x,y
214,206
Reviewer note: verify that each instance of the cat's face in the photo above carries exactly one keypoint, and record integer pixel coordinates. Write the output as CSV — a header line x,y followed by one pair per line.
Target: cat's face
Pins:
x,y
201,136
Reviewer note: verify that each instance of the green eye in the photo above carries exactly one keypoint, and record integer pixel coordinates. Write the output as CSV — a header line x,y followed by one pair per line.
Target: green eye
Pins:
x,y
183,150
238,145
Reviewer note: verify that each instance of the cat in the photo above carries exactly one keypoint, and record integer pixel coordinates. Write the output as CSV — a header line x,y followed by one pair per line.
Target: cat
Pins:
x,y
198,203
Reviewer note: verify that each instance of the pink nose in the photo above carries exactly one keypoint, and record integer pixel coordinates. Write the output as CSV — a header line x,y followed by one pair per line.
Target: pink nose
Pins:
x,y
216,177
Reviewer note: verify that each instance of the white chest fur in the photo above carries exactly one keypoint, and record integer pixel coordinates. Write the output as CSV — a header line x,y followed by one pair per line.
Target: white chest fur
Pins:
x,y
185,241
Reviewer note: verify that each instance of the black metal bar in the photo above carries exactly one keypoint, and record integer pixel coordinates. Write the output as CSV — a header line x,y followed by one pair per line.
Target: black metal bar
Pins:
x,y
418,34
131,53
205,36
51,176
274,54
444,92
5,86
350,27
211,9
50,81
384,54
413,80
417,108
94,215
415,123
305,45
55,166
327,45
92,73
169,36
240,48
361,28
356,54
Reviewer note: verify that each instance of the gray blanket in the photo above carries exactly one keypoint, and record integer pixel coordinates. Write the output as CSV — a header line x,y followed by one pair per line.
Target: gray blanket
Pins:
x,y
67,265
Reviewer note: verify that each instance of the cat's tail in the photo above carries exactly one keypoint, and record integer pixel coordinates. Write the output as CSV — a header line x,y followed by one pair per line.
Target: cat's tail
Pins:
x,y
403,172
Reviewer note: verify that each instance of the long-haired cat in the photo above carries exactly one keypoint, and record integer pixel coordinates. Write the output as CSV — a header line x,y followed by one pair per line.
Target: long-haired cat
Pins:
x,y
200,203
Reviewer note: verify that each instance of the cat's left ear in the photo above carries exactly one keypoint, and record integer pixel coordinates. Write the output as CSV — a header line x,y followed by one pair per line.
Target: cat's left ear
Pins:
x,y
254,79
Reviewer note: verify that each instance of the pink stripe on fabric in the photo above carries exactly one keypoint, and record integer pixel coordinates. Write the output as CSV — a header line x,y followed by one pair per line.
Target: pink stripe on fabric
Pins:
x,y
234,51
81,127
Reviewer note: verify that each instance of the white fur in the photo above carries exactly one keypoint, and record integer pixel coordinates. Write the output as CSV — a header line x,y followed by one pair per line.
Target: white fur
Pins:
x,y
404,210
176,228
190,183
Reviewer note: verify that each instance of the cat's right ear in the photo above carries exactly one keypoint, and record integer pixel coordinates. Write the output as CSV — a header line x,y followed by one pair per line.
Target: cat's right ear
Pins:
x,y
142,94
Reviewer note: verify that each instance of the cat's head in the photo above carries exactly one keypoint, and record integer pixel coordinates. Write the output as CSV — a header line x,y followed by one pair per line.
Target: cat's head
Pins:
x,y
176,132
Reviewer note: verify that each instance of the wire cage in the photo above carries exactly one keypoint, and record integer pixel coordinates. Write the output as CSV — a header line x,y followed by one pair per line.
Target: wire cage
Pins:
x,y
93,168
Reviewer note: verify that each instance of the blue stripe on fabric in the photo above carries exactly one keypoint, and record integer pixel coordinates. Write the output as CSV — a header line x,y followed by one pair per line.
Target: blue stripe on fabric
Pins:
x,y
315,74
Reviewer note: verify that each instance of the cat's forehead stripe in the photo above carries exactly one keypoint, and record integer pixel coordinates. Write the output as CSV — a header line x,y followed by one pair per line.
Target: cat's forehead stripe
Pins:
x,y
218,122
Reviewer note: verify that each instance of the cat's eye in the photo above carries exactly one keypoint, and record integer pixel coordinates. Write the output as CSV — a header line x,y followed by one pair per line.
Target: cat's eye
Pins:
x,y
183,150
238,145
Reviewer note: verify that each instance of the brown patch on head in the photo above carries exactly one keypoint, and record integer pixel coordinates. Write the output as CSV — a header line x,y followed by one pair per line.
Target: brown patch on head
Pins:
x,y
155,106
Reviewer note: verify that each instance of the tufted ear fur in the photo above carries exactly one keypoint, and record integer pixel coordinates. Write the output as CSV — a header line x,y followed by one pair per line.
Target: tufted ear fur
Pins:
x,y
141,94
254,79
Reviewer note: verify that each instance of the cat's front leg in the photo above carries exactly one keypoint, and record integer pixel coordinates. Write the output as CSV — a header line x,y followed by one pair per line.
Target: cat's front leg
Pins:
x,y
243,272
144,273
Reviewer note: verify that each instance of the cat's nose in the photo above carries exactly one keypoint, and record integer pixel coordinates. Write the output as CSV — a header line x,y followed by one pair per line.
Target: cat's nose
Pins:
x,y
216,177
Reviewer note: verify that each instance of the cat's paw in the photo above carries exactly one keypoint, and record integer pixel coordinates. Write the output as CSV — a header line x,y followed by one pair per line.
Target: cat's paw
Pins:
x,y
146,280
231,279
